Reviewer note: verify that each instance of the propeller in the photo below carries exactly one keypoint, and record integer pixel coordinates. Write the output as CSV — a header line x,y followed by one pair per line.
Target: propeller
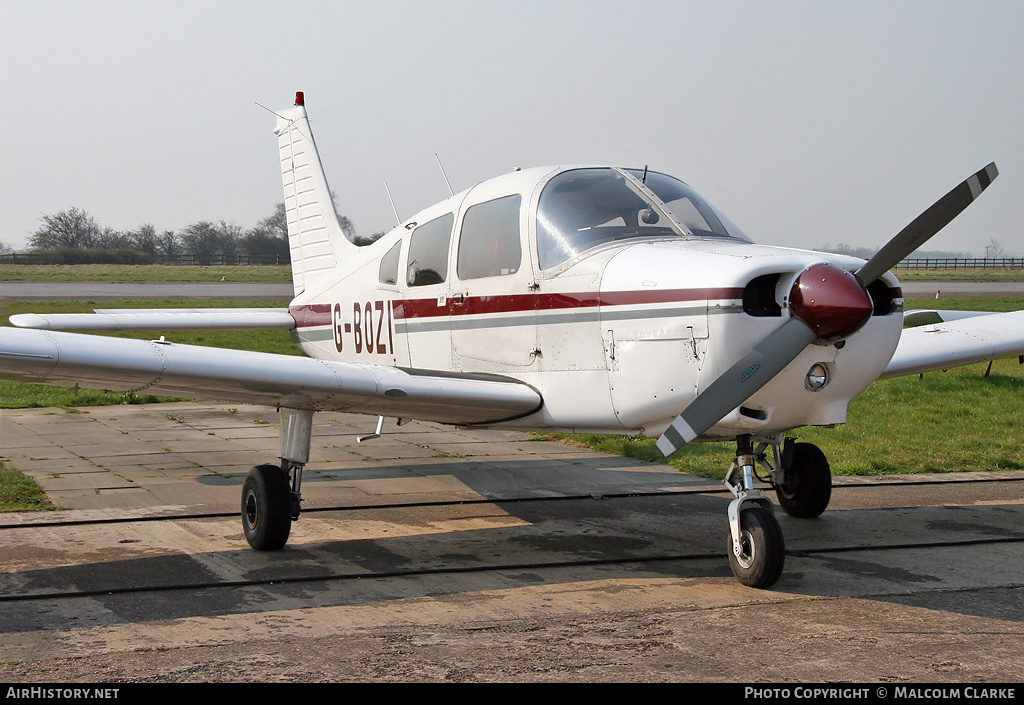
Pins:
x,y
826,304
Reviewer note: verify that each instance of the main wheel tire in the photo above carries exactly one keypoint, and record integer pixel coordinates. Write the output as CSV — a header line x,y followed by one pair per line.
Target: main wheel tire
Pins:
x,y
763,549
266,508
808,486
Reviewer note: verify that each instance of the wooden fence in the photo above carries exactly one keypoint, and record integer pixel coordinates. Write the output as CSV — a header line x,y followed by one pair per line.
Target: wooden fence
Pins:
x,y
962,263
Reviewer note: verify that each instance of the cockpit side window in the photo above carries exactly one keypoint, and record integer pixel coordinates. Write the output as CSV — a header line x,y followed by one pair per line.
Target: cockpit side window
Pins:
x,y
428,251
489,244
389,265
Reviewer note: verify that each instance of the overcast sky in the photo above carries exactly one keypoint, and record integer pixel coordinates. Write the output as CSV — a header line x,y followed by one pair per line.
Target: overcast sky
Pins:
x,y
808,123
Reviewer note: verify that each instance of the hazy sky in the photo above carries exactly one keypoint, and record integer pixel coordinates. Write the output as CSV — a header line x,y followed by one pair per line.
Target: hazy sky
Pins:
x,y
808,123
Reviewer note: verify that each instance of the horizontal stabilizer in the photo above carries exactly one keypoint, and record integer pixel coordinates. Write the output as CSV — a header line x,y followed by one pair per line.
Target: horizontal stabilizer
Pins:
x,y
160,319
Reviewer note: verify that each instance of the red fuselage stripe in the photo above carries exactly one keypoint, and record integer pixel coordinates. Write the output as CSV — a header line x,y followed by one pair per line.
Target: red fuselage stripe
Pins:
x,y
312,315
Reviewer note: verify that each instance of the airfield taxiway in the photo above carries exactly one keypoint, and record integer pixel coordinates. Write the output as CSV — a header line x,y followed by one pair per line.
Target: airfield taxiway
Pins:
x,y
433,554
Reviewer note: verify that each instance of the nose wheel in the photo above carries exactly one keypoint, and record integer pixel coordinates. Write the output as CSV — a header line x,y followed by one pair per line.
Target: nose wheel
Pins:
x,y
756,548
800,475
757,559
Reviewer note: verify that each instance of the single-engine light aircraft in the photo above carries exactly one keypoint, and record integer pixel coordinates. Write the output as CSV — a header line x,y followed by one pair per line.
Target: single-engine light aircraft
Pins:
x,y
574,298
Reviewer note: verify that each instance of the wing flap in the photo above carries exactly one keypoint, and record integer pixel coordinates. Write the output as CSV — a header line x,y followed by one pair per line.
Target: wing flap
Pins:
x,y
160,319
197,372
959,341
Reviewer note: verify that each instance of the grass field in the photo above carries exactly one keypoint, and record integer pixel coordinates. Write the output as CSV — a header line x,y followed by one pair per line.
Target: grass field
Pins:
x,y
961,275
952,421
142,273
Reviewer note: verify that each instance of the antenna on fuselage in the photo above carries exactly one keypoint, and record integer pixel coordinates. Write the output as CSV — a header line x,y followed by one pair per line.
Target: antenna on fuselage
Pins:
x,y
452,192
397,219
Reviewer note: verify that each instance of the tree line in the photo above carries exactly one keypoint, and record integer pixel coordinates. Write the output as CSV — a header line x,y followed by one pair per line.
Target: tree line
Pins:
x,y
75,235
993,250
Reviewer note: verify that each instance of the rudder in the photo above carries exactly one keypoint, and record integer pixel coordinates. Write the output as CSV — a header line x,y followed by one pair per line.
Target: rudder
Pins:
x,y
315,238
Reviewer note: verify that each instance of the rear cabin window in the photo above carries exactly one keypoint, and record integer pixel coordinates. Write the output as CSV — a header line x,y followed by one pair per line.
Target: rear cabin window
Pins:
x,y
428,251
389,265
489,245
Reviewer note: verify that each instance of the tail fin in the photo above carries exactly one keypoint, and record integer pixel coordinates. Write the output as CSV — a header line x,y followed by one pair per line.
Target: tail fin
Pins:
x,y
315,237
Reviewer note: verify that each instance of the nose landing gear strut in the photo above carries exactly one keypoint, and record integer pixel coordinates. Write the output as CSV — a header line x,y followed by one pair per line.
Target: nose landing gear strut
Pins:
x,y
803,484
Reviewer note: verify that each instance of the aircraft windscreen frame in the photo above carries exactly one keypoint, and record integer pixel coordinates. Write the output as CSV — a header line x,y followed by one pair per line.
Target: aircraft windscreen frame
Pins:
x,y
580,209
690,208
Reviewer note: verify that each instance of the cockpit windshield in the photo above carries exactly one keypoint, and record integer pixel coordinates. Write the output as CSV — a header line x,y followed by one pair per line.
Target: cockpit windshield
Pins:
x,y
583,208
699,216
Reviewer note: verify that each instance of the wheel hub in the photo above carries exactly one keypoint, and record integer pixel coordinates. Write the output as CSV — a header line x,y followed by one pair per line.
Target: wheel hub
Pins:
x,y
745,557
252,512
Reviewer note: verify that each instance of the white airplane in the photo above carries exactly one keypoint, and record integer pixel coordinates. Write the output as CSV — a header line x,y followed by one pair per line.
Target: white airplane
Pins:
x,y
582,299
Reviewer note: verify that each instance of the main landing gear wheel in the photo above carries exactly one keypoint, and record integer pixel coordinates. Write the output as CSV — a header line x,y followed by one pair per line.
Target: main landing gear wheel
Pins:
x,y
762,550
807,485
266,508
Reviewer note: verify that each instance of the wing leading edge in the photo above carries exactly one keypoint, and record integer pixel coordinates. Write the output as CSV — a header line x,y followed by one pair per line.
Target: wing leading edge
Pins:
x,y
196,372
949,339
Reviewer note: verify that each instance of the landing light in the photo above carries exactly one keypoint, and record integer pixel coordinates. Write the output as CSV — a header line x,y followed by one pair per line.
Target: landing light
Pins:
x,y
817,377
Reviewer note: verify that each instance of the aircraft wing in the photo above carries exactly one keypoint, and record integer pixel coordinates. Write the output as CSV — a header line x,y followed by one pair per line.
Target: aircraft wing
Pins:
x,y
160,319
952,338
197,372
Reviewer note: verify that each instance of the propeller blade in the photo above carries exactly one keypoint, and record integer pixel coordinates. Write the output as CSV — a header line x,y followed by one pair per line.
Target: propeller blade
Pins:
x,y
824,306
926,225
738,383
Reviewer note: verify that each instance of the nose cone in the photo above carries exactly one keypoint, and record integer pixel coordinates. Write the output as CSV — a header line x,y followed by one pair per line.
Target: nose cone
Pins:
x,y
831,301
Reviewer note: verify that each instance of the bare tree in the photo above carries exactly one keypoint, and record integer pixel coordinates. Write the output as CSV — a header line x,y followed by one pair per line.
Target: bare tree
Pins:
x,y
993,249
144,239
228,235
207,242
110,239
168,245
277,224
201,240
268,239
69,228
